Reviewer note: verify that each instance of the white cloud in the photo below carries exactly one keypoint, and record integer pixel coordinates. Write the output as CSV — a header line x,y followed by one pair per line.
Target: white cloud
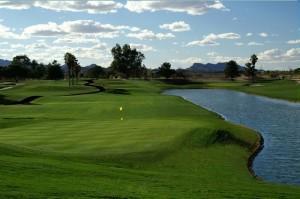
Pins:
x,y
293,53
37,46
239,43
6,33
88,27
249,34
276,55
213,57
222,59
203,42
211,54
4,43
142,47
189,7
293,41
263,34
177,26
92,7
49,29
269,59
234,19
15,5
253,43
75,39
211,39
103,7
44,52
149,35
189,60
15,46
270,54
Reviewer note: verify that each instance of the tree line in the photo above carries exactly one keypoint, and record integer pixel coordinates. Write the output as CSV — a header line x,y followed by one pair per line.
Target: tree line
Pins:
x,y
233,70
127,63
21,67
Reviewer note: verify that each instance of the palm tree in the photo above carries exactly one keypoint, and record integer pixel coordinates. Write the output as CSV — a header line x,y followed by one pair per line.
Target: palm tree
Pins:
x,y
77,72
71,62
250,67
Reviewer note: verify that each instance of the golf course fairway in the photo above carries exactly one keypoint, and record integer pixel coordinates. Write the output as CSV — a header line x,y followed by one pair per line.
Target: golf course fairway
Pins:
x,y
77,143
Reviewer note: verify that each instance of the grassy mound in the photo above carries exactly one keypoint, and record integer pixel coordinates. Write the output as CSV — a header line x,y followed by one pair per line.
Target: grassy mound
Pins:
x,y
83,146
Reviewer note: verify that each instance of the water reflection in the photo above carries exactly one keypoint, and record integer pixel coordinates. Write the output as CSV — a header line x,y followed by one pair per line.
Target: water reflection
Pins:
x,y
277,120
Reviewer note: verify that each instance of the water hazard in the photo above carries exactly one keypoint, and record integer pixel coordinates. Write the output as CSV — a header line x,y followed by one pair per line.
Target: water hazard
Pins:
x,y
277,120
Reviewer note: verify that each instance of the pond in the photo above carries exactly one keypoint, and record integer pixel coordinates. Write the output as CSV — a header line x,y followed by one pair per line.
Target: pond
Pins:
x,y
277,120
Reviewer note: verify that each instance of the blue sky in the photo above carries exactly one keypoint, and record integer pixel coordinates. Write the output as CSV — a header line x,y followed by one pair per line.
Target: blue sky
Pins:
x,y
180,32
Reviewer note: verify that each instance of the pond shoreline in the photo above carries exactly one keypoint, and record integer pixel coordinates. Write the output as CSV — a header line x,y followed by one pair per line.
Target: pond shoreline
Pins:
x,y
256,148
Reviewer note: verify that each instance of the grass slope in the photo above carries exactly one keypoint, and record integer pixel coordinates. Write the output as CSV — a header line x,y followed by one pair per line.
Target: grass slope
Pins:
x,y
77,146
282,89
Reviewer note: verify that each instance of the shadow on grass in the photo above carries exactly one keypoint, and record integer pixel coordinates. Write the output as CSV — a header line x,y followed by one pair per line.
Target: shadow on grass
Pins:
x,y
90,83
27,100
118,91
221,136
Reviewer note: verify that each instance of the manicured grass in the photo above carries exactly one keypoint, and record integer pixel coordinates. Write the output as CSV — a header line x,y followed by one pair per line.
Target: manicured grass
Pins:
x,y
77,146
282,89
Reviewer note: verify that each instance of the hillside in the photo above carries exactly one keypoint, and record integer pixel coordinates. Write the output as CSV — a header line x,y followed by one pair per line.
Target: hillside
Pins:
x,y
208,68
4,62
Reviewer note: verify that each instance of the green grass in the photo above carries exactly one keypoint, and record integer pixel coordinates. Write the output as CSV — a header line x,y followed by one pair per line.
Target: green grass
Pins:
x,y
282,89
78,147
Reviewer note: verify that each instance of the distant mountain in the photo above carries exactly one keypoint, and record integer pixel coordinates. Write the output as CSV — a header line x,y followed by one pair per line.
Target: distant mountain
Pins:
x,y
4,62
84,69
64,67
208,68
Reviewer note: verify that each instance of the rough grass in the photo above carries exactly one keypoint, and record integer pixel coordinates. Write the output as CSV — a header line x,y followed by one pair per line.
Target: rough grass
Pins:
x,y
77,146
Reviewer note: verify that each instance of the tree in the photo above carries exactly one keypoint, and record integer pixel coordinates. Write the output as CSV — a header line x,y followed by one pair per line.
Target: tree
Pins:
x,y
40,71
127,61
180,73
297,71
72,64
19,67
54,71
77,70
2,72
95,72
250,67
37,71
165,70
232,69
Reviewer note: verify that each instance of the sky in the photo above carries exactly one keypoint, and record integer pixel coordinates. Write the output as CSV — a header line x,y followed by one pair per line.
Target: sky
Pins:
x,y
179,32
